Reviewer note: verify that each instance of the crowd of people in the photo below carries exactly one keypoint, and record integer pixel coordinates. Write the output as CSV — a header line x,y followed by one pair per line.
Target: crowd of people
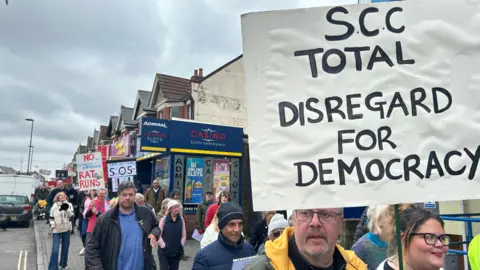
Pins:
x,y
121,233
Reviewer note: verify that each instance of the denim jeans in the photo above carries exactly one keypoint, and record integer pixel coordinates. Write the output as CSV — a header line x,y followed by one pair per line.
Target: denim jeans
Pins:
x,y
64,238
83,231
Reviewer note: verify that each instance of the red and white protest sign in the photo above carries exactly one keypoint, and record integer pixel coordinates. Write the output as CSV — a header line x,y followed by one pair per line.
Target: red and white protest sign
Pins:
x,y
90,171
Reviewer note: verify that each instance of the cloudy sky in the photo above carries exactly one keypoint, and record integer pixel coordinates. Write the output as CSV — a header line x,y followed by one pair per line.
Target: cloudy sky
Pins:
x,y
71,64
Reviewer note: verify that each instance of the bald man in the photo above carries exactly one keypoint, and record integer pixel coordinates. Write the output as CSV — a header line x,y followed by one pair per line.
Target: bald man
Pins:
x,y
155,196
140,200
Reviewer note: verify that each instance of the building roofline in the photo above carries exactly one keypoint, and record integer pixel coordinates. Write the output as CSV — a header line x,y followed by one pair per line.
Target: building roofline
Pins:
x,y
222,67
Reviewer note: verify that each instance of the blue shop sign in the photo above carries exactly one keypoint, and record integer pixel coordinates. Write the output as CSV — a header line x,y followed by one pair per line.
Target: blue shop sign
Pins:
x,y
154,135
207,139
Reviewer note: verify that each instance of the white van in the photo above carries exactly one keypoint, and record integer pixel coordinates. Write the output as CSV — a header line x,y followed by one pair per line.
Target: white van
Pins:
x,y
12,184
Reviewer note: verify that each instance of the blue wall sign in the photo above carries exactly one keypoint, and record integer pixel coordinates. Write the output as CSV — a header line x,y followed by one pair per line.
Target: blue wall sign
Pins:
x,y
197,138
154,135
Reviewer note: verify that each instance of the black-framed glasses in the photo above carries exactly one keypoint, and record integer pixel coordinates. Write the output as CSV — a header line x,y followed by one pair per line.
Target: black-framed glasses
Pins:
x,y
277,233
324,217
431,239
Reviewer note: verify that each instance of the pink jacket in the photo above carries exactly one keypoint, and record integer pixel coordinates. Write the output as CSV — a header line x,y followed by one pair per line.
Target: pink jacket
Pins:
x,y
93,218
160,242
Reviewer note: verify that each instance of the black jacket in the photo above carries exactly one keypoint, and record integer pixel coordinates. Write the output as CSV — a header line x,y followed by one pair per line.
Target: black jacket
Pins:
x,y
81,202
361,228
259,234
41,194
73,196
54,193
103,248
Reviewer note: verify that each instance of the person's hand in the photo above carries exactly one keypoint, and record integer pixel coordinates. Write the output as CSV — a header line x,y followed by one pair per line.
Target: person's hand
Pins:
x,y
94,210
153,240
200,231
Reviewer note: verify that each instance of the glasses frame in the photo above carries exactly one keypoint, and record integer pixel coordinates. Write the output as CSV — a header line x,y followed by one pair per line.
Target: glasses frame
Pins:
x,y
335,215
437,238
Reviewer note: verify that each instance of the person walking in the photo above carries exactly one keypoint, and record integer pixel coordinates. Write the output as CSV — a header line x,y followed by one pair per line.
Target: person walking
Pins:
x,y
124,236
60,225
230,244
72,198
140,200
94,208
276,226
260,230
222,197
172,238
86,200
202,212
155,195
59,188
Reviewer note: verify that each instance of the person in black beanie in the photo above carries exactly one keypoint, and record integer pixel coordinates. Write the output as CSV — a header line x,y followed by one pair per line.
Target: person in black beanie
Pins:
x,y
230,244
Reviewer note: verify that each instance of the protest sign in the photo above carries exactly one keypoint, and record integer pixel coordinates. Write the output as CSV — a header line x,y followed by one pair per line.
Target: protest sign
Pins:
x,y
363,104
122,169
90,171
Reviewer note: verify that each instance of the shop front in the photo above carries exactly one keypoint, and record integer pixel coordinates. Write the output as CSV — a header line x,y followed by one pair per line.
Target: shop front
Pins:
x,y
197,158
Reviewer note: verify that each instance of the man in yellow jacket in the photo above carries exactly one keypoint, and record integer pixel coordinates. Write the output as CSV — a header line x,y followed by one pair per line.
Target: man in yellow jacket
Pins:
x,y
310,244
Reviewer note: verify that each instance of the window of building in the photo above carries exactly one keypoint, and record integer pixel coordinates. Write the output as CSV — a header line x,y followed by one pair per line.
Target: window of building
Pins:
x,y
175,112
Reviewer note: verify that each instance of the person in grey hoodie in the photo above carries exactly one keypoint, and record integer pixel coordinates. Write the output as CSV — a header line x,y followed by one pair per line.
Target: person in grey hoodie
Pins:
x,y
60,225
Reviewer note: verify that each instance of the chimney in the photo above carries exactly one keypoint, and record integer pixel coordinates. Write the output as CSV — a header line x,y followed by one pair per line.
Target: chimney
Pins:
x,y
195,78
200,72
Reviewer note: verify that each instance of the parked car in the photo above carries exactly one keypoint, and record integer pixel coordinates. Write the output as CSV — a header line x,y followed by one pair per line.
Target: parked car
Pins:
x,y
16,208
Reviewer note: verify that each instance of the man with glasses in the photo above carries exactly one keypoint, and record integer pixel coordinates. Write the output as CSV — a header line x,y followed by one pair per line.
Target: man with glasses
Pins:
x,y
310,244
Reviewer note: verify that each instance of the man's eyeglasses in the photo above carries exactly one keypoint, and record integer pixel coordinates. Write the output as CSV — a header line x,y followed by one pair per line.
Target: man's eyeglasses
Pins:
x,y
431,239
324,217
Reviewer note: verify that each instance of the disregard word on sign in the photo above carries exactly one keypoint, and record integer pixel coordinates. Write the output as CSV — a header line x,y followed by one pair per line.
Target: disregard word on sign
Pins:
x,y
363,104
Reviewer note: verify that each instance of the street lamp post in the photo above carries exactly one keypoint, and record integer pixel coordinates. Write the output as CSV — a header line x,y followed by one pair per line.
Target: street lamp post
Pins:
x,y
31,158
30,146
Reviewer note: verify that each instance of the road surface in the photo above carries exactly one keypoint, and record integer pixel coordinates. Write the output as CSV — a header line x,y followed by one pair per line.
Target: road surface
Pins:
x,y
17,248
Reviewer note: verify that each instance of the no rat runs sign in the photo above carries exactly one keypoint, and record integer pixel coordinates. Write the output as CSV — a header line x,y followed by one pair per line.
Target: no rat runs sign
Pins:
x,y
362,104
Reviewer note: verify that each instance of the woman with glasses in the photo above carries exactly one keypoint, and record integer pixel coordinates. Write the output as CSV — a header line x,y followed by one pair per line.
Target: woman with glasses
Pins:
x,y
277,224
424,242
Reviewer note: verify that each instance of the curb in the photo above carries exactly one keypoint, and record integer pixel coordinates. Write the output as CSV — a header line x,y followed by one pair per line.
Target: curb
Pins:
x,y
41,257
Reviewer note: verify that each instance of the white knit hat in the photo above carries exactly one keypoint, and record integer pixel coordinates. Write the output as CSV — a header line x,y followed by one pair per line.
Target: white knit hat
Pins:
x,y
173,203
278,221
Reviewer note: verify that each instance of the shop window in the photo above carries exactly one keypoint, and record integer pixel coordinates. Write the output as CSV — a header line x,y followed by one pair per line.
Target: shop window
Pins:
x,y
175,112
162,172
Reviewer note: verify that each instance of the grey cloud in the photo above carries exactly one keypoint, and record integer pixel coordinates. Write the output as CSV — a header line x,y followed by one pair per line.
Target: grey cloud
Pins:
x,y
71,64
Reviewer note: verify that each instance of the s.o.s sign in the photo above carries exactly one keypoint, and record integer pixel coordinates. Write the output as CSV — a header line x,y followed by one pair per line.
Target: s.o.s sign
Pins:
x,y
119,169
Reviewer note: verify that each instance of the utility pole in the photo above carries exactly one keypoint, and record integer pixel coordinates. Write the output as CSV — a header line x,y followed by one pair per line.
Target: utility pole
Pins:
x,y
31,158
30,146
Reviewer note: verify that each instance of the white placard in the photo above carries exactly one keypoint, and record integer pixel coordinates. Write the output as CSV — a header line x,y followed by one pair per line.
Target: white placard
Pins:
x,y
122,169
90,171
354,116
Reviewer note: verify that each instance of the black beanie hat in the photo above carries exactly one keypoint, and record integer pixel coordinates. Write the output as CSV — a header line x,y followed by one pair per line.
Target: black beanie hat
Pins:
x,y
227,212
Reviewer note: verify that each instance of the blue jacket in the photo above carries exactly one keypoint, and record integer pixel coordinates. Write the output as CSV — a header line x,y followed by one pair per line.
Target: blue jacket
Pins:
x,y
219,255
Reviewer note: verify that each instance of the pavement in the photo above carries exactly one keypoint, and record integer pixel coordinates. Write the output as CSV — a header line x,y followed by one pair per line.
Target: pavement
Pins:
x,y
76,262
17,248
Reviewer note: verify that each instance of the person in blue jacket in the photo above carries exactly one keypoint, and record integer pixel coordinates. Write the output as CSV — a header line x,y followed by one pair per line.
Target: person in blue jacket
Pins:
x,y
230,244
